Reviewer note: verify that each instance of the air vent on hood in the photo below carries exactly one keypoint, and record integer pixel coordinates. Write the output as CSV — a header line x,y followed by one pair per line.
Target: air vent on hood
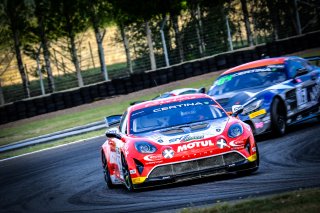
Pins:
x,y
172,131
198,126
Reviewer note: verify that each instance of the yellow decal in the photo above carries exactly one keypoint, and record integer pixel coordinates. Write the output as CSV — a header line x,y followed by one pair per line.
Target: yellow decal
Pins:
x,y
257,113
138,180
252,158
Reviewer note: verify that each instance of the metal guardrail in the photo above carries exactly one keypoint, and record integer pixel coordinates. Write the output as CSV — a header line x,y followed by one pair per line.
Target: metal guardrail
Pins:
x,y
54,136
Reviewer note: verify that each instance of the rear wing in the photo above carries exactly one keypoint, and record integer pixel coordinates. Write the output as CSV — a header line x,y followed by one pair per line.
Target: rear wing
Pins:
x,y
314,59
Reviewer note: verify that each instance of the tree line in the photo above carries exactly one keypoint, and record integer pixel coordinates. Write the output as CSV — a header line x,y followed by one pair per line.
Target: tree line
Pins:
x,y
29,26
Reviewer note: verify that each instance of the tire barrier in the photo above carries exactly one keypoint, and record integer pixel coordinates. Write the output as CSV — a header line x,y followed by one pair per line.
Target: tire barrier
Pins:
x,y
103,90
188,70
197,68
31,108
58,101
40,105
21,109
138,81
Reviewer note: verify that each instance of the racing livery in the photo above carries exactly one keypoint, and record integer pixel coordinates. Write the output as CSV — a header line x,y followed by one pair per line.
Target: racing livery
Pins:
x,y
174,139
274,92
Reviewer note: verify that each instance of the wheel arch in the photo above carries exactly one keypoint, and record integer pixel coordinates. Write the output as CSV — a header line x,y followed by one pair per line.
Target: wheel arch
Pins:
x,y
282,102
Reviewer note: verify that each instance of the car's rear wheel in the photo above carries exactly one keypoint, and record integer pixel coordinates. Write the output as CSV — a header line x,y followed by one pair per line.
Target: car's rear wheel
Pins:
x,y
106,172
126,174
278,118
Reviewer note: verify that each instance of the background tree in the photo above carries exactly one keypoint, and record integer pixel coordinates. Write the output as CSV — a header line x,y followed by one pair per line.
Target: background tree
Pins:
x,y
72,19
14,18
246,20
138,11
100,15
46,31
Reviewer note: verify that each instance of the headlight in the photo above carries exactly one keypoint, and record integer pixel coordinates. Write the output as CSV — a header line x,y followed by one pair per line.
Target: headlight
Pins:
x,y
235,130
252,106
145,147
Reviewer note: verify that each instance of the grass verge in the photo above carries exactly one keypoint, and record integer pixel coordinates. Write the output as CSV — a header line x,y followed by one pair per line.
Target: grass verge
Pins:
x,y
297,201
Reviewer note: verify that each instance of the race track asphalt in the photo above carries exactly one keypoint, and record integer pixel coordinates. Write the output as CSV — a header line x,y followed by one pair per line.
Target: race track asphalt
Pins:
x,y
70,178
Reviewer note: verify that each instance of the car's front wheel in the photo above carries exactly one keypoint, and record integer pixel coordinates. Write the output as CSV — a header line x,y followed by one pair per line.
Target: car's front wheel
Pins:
x,y
106,172
126,174
278,118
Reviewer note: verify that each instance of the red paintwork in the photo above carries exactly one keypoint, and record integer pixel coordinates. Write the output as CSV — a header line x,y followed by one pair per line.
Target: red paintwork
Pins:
x,y
126,145
258,63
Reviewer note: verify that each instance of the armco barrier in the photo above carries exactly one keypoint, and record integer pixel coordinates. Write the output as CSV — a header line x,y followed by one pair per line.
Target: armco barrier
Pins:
x,y
138,81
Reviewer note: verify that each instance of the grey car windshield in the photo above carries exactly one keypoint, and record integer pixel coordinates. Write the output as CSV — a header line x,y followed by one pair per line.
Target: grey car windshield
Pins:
x,y
257,77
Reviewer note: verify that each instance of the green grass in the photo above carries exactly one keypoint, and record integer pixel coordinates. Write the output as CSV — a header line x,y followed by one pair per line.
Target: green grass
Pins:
x,y
51,144
291,202
50,125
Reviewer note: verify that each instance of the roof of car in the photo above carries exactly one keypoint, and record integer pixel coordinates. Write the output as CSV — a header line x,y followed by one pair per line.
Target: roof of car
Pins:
x,y
167,100
178,91
258,63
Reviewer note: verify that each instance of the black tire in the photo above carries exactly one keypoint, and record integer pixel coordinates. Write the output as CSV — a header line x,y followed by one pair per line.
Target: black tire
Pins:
x,y
106,172
126,175
278,118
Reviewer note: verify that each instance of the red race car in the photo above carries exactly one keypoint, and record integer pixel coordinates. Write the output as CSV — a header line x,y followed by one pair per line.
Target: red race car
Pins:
x,y
175,139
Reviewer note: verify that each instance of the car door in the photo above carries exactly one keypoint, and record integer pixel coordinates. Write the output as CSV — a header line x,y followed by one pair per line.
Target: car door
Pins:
x,y
118,144
306,89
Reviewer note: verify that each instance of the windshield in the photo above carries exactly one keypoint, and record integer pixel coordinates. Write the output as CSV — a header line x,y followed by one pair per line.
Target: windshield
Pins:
x,y
174,114
257,77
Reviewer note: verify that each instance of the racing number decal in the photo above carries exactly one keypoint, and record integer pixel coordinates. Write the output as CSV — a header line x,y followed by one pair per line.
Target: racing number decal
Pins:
x,y
302,97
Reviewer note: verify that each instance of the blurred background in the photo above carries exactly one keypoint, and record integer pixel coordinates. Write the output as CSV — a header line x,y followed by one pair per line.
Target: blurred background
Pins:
x,y
53,45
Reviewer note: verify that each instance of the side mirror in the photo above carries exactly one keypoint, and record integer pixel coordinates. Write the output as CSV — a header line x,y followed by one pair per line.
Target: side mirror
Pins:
x,y
202,90
113,133
236,110
112,120
301,71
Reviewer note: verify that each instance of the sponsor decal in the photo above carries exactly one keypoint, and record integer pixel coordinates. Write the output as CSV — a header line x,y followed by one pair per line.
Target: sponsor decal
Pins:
x,y
279,66
193,145
257,113
166,177
160,141
133,171
177,106
223,80
168,153
187,138
152,157
236,143
254,149
259,125
221,143
236,107
111,131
